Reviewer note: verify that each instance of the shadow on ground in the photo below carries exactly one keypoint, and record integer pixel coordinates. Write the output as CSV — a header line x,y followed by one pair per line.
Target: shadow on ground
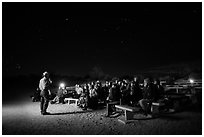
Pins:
x,y
66,113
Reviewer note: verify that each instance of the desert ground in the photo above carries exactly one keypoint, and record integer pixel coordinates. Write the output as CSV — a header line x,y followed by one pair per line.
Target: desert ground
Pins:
x,y
22,117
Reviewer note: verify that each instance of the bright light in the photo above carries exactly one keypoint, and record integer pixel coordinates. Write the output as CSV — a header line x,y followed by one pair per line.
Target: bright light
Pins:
x,y
62,85
191,81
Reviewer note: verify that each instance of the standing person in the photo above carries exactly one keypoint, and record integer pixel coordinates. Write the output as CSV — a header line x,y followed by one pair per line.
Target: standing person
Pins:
x,y
44,86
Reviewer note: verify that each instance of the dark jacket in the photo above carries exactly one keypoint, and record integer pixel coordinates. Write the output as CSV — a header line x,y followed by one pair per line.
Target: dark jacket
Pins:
x,y
158,91
136,92
114,94
148,92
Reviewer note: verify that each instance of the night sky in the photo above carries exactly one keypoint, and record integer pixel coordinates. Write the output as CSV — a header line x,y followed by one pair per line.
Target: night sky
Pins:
x,y
120,38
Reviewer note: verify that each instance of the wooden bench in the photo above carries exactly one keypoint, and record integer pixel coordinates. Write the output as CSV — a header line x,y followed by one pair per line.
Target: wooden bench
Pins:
x,y
192,97
155,107
129,113
110,106
69,100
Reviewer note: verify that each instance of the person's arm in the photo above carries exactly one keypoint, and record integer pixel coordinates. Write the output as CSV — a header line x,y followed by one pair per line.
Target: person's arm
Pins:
x,y
108,98
50,81
49,92
42,85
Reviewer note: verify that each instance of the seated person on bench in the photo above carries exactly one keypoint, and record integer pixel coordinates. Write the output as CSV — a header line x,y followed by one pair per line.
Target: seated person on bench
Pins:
x,y
59,98
160,95
148,96
83,99
159,90
113,99
135,94
124,91
93,97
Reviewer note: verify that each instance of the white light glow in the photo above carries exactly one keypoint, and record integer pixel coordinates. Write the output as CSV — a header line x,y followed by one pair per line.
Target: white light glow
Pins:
x,y
62,85
191,81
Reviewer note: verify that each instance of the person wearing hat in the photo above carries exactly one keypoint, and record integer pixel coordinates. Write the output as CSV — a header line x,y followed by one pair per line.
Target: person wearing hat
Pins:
x,y
44,86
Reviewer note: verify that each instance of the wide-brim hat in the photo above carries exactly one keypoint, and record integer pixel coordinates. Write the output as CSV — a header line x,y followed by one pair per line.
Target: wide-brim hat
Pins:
x,y
45,73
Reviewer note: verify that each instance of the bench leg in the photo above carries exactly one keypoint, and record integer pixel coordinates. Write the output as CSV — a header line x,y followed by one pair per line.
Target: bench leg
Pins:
x,y
76,102
129,115
109,109
155,109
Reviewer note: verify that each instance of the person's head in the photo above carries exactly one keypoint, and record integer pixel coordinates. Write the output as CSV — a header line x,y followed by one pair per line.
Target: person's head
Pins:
x,y
136,79
46,74
146,82
92,83
122,83
114,85
156,81
107,83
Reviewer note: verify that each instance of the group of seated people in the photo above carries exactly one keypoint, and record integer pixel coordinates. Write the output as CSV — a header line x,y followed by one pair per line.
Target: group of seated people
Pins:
x,y
122,92
133,95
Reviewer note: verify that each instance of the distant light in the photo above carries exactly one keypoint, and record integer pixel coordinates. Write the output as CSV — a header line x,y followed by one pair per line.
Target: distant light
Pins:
x,y
62,85
191,80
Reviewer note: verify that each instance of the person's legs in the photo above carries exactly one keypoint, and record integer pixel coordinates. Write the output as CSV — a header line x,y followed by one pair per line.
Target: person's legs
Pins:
x,y
86,102
44,102
41,104
111,109
144,104
141,104
95,103
45,105
46,98
55,100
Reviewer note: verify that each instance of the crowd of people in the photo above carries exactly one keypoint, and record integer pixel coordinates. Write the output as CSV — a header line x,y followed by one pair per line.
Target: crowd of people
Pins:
x,y
132,93
121,92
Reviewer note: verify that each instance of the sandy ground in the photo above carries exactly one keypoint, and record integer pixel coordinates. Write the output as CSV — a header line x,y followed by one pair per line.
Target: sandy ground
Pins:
x,y
25,118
